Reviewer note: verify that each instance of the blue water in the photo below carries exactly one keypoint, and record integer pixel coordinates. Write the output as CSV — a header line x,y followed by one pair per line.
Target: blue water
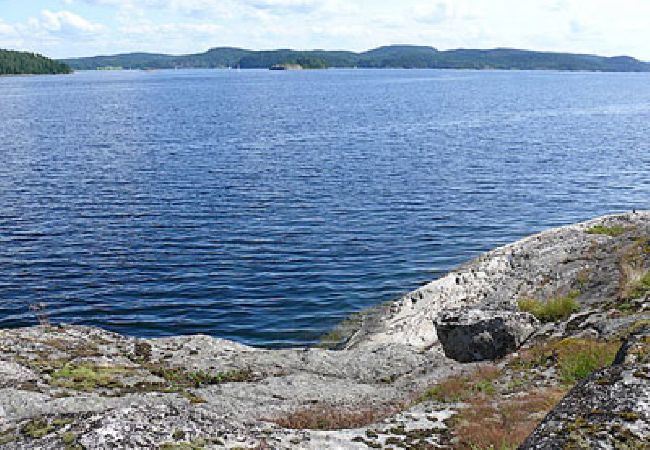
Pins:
x,y
266,206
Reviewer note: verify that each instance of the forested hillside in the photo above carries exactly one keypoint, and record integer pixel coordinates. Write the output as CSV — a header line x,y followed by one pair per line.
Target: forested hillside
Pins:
x,y
19,63
395,56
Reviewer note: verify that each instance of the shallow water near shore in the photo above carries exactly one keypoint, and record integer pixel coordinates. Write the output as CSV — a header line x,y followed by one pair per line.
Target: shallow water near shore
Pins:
x,y
266,206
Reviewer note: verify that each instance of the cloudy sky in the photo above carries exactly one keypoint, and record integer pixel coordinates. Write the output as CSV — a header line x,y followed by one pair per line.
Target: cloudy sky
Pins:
x,y
62,28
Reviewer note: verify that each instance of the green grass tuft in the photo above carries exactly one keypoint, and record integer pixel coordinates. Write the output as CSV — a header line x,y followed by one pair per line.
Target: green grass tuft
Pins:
x,y
613,231
37,428
179,377
552,310
579,358
88,377
69,438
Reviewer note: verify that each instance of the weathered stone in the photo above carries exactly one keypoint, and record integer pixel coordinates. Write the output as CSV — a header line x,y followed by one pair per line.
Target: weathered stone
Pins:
x,y
480,335
610,409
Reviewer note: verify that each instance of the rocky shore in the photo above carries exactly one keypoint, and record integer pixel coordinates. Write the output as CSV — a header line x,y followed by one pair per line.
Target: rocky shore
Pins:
x,y
548,335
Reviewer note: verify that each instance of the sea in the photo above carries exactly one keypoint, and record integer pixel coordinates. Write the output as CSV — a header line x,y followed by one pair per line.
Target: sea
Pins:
x,y
265,207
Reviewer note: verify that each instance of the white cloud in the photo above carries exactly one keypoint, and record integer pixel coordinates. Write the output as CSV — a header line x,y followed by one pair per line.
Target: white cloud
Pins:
x,y
6,29
183,26
148,28
66,22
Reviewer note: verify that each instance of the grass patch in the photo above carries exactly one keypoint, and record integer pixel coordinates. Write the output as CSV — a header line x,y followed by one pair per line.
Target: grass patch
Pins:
x,y
7,436
463,387
183,378
573,358
193,398
613,231
503,424
580,358
551,310
37,428
330,417
88,377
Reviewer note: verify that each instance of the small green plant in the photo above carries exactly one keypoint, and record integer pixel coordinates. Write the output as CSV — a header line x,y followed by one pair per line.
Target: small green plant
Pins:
x,y
37,428
7,436
193,398
552,310
69,438
613,231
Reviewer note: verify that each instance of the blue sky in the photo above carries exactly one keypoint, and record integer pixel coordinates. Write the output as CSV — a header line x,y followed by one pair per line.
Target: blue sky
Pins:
x,y
62,28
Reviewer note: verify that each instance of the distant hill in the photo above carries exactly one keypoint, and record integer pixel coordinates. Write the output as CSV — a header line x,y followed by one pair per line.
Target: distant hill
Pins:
x,y
22,63
396,56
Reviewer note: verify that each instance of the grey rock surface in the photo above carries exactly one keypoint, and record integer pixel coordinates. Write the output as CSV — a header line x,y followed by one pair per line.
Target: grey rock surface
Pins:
x,y
609,410
469,335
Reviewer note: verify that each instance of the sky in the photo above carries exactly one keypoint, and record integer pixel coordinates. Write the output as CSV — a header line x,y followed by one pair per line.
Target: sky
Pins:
x,y
67,28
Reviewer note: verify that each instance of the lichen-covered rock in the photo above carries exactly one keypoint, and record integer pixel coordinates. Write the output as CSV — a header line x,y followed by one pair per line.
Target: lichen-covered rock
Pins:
x,y
79,387
479,335
609,410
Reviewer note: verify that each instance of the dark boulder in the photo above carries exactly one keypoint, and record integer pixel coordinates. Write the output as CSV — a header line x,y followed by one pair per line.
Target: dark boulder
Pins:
x,y
469,335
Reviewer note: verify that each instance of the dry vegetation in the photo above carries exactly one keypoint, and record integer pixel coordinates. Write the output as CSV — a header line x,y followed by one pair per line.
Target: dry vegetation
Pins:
x,y
332,417
498,423
463,387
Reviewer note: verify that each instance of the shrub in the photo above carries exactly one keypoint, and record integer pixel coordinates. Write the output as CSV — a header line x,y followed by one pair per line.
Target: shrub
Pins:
x,y
552,310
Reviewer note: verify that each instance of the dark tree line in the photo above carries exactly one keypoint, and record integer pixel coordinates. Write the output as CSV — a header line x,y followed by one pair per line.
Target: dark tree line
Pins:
x,y
22,63
396,56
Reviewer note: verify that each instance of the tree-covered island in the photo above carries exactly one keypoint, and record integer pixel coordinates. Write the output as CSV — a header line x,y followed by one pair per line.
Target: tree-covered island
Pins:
x,y
24,63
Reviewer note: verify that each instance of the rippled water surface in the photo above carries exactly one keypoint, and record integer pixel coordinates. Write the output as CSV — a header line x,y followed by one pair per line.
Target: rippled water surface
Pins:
x,y
265,207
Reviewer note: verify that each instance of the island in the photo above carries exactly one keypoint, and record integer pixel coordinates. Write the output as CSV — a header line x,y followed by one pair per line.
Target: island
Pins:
x,y
394,56
556,325
24,63
301,63
286,66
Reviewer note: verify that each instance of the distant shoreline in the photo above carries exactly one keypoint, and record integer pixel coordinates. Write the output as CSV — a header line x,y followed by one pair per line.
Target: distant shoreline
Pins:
x,y
390,57
334,69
